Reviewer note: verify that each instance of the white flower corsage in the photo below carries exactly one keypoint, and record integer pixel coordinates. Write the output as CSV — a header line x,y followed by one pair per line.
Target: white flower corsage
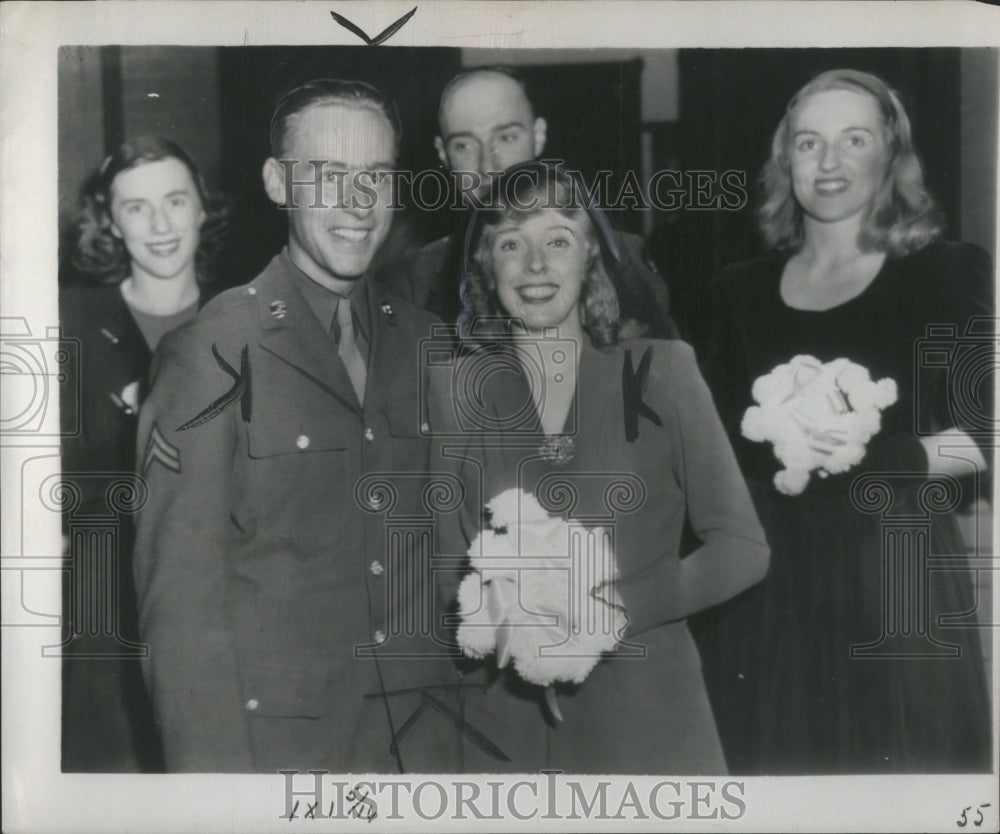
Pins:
x,y
128,399
540,594
819,416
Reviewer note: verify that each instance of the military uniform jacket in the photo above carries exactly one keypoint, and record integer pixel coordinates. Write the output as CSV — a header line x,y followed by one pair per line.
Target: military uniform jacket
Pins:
x,y
281,561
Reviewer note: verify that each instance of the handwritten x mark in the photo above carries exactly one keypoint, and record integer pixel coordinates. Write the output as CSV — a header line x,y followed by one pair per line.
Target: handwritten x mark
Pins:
x,y
428,701
382,36
633,387
240,391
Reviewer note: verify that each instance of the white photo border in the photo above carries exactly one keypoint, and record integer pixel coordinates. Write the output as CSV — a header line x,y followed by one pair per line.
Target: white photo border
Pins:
x,y
37,797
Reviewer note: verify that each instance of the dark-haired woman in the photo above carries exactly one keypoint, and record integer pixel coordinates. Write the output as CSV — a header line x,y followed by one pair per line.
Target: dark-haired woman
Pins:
x,y
146,239
853,656
617,434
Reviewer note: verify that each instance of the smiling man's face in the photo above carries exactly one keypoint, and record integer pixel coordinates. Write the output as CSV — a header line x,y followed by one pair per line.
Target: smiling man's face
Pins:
x,y
338,238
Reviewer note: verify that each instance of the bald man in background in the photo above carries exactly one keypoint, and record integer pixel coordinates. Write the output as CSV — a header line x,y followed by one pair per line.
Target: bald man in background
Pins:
x,y
488,124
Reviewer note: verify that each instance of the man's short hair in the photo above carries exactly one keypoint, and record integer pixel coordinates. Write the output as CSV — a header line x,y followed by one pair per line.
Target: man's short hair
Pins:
x,y
465,76
329,91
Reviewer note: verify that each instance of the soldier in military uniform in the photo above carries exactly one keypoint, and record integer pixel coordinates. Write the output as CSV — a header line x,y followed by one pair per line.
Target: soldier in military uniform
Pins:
x,y
288,626
487,124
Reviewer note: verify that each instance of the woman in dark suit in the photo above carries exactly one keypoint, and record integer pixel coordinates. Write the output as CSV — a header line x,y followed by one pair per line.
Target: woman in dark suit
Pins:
x,y
842,660
146,239
618,434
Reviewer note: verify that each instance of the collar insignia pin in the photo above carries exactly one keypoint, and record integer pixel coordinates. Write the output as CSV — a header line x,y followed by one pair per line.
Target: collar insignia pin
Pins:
x,y
278,309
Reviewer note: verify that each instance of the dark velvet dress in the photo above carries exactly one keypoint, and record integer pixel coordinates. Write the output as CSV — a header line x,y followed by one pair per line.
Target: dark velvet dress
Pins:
x,y
107,722
860,651
643,709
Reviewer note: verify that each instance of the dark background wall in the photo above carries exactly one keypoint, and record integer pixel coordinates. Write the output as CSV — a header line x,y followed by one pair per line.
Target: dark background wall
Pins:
x,y
594,118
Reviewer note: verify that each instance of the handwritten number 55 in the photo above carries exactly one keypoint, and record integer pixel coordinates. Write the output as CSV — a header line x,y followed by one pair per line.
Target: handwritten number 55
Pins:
x,y
963,819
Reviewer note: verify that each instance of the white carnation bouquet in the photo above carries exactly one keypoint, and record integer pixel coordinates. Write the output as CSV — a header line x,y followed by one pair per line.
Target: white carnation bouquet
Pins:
x,y
819,416
538,595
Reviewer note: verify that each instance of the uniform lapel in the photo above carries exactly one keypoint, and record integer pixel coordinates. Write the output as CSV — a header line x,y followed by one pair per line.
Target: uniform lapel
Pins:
x,y
393,365
290,332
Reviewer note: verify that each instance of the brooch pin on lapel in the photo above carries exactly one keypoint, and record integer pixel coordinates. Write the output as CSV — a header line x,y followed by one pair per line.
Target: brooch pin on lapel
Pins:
x,y
557,449
111,337
633,387
386,308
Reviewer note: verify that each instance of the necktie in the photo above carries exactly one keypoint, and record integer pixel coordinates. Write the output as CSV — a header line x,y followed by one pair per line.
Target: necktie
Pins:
x,y
347,347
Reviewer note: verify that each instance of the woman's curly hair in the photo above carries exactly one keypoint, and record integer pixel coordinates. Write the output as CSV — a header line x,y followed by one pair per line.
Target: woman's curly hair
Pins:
x,y
516,195
903,217
101,256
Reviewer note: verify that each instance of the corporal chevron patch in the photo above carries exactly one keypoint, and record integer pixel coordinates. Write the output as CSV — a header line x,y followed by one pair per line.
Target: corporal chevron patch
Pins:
x,y
161,450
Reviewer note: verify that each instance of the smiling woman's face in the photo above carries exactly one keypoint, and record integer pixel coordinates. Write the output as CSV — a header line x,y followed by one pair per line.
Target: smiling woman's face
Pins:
x,y
157,213
837,154
540,264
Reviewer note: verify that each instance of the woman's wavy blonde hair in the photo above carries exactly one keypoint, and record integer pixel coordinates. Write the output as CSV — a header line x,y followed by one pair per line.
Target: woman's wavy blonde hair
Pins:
x,y
518,194
903,216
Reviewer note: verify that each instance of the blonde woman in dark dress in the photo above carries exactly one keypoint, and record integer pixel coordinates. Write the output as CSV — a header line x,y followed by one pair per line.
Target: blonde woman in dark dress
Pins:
x,y
841,661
